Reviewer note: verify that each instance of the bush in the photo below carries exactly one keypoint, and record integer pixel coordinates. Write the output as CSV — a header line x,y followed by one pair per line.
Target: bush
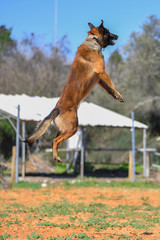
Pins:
x,y
7,138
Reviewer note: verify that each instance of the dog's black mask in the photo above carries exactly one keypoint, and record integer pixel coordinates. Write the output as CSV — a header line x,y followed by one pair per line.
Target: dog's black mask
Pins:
x,y
107,37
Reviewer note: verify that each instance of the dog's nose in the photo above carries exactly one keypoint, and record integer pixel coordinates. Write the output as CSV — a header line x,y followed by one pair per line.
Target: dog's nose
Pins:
x,y
115,37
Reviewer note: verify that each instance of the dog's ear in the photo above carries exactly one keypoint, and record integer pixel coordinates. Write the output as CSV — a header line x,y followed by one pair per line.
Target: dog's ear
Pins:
x,y
91,25
100,28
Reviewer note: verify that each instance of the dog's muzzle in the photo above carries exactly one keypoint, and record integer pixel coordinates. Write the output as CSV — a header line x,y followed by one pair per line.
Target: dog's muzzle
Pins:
x,y
112,38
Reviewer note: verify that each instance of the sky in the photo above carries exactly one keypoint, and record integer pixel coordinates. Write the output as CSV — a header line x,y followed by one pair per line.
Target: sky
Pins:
x,y
121,17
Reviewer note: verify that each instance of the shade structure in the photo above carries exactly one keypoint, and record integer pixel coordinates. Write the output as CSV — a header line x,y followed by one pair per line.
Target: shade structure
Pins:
x,y
37,108
94,115
34,109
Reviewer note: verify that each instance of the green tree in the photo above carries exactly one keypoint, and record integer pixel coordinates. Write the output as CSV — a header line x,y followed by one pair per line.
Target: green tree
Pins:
x,y
115,66
7,138
143,57
141,73
7,44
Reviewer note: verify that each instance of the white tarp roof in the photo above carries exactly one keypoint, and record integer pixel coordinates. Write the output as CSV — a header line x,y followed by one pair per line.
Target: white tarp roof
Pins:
x,y
36,108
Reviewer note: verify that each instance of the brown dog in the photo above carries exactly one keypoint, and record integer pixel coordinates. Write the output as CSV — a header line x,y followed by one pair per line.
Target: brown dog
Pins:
x,y
88,69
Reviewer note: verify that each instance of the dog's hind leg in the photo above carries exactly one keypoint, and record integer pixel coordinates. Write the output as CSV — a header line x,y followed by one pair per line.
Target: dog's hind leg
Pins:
x,y
66,125
61,138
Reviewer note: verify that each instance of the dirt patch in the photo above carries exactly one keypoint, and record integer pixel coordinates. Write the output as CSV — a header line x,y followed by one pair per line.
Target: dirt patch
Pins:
x,y
80,213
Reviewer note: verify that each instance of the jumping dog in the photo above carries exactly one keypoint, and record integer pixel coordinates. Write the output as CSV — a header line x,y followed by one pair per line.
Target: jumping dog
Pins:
x,y
88,69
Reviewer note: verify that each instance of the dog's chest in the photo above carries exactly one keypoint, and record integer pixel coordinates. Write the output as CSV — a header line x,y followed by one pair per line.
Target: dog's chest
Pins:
x,y
92,44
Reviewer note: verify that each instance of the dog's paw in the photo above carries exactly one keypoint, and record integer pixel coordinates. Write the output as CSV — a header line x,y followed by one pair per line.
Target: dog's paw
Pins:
x,y
57,159
118,97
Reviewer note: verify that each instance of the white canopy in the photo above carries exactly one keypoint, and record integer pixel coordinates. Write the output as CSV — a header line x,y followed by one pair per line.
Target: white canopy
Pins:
x,y
94,115
36,108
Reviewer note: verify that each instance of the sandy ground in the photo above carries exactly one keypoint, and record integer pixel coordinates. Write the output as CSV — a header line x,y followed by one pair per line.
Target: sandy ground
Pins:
x,y
63,213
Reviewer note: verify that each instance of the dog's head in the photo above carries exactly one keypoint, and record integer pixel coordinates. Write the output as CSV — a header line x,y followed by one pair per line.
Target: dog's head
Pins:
x,y
105,38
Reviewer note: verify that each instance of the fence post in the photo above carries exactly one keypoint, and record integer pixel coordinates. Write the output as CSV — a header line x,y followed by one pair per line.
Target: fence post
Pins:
x,y
13,166
130,169
147,164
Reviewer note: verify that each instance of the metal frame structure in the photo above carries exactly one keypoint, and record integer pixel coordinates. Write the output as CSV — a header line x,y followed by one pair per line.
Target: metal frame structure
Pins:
x,y
82,139
23,119
18,137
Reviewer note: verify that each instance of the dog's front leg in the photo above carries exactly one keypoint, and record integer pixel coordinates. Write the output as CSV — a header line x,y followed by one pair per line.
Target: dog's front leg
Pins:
x,y
106,83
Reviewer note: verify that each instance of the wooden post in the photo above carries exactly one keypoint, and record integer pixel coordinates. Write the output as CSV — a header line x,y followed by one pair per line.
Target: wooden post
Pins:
x,y
13,164
147,164
130,169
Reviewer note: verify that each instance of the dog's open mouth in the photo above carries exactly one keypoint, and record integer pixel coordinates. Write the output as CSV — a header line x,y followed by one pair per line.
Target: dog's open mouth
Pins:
x,y
113,37
112,42
109,39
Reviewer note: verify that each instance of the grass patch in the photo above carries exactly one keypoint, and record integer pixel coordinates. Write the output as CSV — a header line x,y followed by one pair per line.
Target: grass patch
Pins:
x,y
140,225
93,182
60,168
80,236
33,236
23,184
6,236
48,209
4,215
96,215
9,222
48,224
90,182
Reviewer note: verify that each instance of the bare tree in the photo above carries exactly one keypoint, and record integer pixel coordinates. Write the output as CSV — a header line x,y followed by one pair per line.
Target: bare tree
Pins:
x,y
34,70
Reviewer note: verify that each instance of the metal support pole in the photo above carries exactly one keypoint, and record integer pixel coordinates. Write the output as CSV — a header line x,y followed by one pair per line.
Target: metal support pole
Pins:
x,y
82,153
67,155
17,144
144,154
133,149
23,150
55,21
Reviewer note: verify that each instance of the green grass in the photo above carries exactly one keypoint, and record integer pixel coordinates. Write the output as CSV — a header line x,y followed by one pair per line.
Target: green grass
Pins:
x,y
23,184
137,217
10,222
6,236
60,168
93,182
123,167
47,224
101,217
90,182
34,236
73,236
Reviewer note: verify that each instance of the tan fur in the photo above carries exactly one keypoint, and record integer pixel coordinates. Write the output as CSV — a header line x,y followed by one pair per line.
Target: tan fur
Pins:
x,y
42,127
88,69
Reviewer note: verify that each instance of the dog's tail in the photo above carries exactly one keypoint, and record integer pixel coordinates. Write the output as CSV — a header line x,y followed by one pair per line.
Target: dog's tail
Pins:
x,y
43,126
